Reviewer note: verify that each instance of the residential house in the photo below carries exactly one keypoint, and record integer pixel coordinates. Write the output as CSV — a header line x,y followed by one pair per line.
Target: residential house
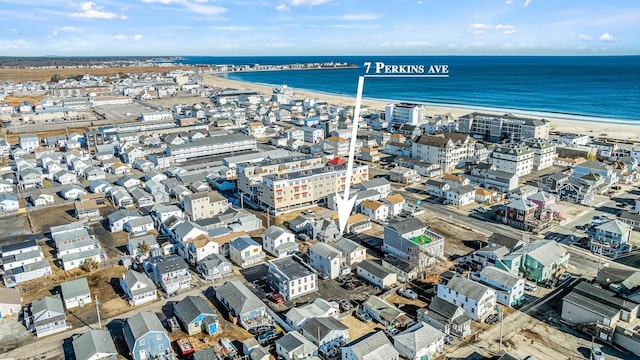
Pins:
x,y
371,346
326,260
214,266
403,175
357,223
421,341
22,262
139,225
9,202
352,252
6,187
384,313
412,240
446,317
243,304
509,288
298,316
375,210
171,273
138,288
395,203
196,315
94,344
631,219
290,278
250,347
75,293
71,191
199,248
245,252
325,230
65,177
279,242
146,338
46,316
402,268
100,186
118,219
136,245
294,346
488,177
555,181
460,196
10,303
327,333
478,301
609,175
204,205
611,239
539,261
375,274
86,210
141,198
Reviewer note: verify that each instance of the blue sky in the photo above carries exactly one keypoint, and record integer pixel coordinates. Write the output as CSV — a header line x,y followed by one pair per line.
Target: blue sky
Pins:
x,y
318,27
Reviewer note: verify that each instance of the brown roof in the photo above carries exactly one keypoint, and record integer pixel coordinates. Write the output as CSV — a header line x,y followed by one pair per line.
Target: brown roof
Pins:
x,y
483,192
201,240
374,205
88,204
395,199
336,139
442,139
453,177
356,218
221,240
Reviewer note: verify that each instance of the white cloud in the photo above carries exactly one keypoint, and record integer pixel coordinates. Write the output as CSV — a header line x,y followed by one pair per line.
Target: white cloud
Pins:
x,y
279,45
420,2
14,44
362,16
607,37
408,44
508,2
124,17
584,37
119,37
166,2
205,9
91,10
527,2
282,7
308,2
506,29
138,37
53,34
480,29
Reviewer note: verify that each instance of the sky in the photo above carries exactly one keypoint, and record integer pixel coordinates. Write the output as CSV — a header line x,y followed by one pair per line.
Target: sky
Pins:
x,y
318,27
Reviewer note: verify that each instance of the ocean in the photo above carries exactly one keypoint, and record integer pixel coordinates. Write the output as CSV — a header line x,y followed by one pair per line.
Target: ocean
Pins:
x,y
595,88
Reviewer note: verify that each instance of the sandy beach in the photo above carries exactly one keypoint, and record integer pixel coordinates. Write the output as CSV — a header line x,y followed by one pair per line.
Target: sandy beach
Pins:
x,y
588,127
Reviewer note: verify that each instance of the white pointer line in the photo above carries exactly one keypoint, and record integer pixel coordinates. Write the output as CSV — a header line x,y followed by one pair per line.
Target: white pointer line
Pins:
x,y
406,76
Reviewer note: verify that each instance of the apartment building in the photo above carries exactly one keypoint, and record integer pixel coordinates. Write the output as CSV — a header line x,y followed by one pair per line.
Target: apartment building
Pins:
x,y
449,150
204,205
502,127
283,193
412,240
290,278
211,146
544,153
313,135
513,159
404,113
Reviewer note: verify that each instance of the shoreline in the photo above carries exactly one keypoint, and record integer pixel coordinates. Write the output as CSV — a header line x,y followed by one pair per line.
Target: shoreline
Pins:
x,y
559,122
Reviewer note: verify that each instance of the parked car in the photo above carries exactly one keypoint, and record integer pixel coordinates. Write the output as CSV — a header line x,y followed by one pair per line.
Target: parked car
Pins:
x,y
492,319
565,276
408,293
276,298
345,305
596,353
530,286
481,210
391,331
268,337
363,315
449,340
259,330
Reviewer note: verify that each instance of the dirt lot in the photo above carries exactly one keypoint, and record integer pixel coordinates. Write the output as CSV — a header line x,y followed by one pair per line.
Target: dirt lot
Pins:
x,y
458,240
24,75
358,328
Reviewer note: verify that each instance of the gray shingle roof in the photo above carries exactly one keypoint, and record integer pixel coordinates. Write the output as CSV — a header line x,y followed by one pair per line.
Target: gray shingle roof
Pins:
x,y
615,227
408,225
142,323
325,251
421,338
243,243
74,288
467,287
189,308
93,342
499,275
239,297
374,268
322,326
131,278
346,246
376,342
545,252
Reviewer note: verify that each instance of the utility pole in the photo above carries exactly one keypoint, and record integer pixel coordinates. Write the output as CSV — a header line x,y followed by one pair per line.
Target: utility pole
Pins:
x,y
501,318
98,311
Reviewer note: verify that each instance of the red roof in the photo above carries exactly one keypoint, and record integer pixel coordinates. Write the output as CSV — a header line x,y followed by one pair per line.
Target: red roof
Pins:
x,y
337,161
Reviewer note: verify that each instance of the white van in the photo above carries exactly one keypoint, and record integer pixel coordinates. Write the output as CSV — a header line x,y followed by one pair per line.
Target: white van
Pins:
x,y
530,286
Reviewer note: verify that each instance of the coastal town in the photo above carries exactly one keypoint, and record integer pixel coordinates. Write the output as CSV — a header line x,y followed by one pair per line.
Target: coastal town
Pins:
x,y
176,214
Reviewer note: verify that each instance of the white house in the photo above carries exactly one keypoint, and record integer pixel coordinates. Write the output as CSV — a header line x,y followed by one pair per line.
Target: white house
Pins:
x,y
421,341
395,203
75,293
375,210
8,202
320,307
478,301
279,242
352,252
290,278
138,287
373,345
375,274
326,259
509,288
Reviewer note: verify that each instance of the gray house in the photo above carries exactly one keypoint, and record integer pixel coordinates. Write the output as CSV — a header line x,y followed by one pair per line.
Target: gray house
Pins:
x,y
412,240
94,345
243,304
196,316
374,345
214,266
447,317
47,316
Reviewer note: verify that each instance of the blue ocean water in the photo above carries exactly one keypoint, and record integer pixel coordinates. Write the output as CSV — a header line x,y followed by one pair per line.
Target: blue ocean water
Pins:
x,y
604,88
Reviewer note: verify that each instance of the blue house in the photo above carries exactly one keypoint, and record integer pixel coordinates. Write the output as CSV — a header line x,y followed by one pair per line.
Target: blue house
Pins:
x,y
196,315
146,337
